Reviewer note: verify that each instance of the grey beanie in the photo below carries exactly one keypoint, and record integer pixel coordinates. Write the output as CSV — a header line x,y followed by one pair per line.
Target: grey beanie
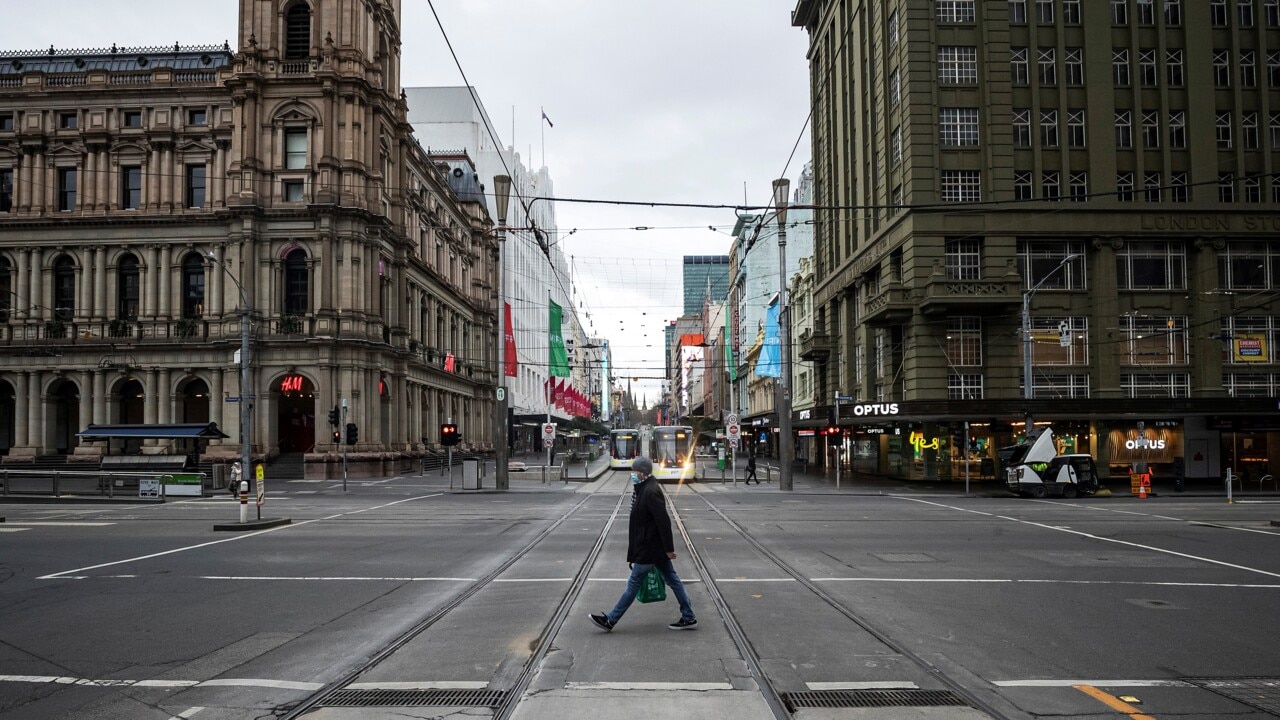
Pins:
x,y
642,465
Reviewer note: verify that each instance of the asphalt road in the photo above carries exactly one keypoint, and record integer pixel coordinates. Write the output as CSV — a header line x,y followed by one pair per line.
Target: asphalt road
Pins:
x,y
1033,608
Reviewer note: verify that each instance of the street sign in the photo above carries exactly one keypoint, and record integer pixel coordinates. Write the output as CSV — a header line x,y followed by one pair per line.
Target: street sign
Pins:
x,y
233,399
260,475
548,432
843,398
731,419
733,431
733,443
502,393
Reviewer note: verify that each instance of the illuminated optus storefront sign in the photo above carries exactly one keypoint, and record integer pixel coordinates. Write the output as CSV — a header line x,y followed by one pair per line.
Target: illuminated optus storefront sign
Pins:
x,y
1152,445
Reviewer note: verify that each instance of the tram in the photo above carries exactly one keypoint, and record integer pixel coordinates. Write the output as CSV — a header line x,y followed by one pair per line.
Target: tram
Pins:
x,y
671,451
624,446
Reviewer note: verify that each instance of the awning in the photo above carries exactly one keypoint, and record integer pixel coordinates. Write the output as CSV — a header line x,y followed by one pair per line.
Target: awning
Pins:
x,y
206,431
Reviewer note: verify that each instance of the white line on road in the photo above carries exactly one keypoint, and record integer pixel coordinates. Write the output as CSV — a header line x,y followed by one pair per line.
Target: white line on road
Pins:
x,y
190,712
67,574
6,529
700,686
329,579
1162,517
868,685
258,682
422,685
56,523
1095,683
1111,540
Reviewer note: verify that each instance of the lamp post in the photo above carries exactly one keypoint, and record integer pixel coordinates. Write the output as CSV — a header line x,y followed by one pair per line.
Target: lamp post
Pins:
x,y
246,430
1027,392
502,195
781,189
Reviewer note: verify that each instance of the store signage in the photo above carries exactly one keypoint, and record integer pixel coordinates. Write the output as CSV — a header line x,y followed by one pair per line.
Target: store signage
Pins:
x,y
1249,348
866,409
917,440
291,383
1144,444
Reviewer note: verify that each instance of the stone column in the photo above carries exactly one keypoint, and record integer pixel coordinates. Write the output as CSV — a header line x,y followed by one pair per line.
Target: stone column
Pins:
x,y
21,405
168,169
37,285
23,304
151,404
35,412
164,308
100,283
99,397
216,402
165,396
103,179
88,190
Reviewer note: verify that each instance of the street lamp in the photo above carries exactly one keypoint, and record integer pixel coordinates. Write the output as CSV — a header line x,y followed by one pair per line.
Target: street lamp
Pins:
x,y
781,191
246,430
502,194
1027,392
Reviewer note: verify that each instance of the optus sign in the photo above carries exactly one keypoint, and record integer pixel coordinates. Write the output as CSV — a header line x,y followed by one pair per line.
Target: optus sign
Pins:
x,y
874,409
1144,444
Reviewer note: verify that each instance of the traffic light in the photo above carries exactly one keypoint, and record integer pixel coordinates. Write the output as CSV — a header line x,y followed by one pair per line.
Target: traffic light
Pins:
x,y
833,434
353,434
449,434
337,437
333,416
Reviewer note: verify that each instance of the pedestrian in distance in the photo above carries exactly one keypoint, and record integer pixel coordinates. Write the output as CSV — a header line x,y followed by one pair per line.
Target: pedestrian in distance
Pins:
x,y
751,471
236,474
650,545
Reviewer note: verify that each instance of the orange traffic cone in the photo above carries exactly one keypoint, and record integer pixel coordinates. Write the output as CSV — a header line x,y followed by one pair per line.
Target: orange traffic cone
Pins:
x,y
1142,492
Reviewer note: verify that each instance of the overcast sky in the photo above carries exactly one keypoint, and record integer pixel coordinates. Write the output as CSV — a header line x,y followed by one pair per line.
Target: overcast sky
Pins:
x,y
697,101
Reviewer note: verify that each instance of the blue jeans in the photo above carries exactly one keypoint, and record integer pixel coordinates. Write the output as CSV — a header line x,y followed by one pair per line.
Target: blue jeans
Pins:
x,y
638,571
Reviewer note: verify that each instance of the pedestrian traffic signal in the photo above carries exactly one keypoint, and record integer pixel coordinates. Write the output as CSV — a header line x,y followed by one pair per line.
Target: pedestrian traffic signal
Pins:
x,y
337,437
333,416
449,434
353,434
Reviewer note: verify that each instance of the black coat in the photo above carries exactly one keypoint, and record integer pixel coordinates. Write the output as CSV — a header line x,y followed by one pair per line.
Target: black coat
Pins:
x,y
649,538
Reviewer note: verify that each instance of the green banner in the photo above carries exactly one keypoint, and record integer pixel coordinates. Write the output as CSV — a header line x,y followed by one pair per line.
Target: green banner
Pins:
x,y
558,362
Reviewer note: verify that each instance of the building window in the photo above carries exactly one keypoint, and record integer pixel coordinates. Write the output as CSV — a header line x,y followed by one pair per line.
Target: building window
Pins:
x,y
961,186
1248,69
1177,129
964,259
295,148
295,283
291,191
1071,12
195,186
1221,68
1272,10
1245,8
1021,128
1273,69
893,29
958,127
131,187
1044,265
1050,185
1151,265
1049,128
1073,66
6,122
1252,188
1019,70
1146,12
197,117
193,286
1119,12
1078,186
297,32
1017,12
964,386
895,88
68,121
128,289
1124,187
955,11
1075,128
1153,340
131,119
1251,385
1147,73
1074,385
1124,129
1249,130
1173,67
1120,67
895,146
1275,131
1156,385
1044,12
1173,12
1151,130
66,189
1053,352
1179,192
1152,189
1022,186
958,65
6,189
1048,66
6,289
1226,188
1245,265
1218,13
1222,130
64,288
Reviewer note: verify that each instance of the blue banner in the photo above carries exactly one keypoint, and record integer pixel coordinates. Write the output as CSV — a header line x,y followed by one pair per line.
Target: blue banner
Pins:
x,y
769,363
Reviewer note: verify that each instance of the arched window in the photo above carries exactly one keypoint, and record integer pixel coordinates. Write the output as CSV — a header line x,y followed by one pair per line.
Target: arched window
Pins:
x,y
192,286
297,32
64,288
127,292
295,283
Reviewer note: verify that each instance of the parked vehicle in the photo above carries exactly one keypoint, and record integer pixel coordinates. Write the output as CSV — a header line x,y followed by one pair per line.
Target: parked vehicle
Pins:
x,y
1035,469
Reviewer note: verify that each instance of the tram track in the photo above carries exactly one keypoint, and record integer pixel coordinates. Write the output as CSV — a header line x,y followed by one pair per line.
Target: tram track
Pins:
x,y
772,696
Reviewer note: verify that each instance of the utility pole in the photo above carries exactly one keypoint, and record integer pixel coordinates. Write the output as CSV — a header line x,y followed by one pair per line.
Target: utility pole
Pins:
x,y
502,479
781,191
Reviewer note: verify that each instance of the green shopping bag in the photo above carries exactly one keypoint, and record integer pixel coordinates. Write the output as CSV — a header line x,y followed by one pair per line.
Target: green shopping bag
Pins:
x,y
652,589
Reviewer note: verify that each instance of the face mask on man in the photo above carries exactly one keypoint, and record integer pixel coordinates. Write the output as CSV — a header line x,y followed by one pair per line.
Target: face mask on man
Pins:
x,y
636,479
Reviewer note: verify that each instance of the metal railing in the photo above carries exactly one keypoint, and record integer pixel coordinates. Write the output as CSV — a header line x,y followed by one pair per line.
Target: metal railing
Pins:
x,y
61,483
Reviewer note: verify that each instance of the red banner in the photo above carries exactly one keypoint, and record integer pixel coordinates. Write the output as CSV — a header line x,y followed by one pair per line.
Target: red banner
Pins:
x,y
559,394
509,342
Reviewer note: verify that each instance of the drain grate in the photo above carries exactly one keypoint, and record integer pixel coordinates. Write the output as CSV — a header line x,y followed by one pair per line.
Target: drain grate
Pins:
x,y
1262,693
415,698
870,698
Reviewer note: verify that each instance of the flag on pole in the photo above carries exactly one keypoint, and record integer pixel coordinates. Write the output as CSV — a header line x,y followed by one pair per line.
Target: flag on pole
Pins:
x,y
769,364
558,360
544,117
509,340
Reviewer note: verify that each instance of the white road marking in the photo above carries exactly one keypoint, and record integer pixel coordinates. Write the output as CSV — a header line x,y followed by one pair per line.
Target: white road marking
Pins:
x,y
48,523
704,686
328,579
1112,540
189,712
1096,683
258,682
67,574
1162,517
1026,581
869,685
8,529
421,685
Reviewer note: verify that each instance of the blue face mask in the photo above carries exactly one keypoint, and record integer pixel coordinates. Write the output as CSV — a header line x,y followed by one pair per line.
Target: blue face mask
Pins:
x,y
636,479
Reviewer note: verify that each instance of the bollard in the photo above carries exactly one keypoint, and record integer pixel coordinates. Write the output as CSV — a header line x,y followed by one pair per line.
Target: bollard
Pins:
x,y
1230,481
244,501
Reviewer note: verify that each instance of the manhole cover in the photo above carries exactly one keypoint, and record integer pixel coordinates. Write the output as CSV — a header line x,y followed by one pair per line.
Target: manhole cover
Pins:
x,y
871,698
414,698
1262,693
905,557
